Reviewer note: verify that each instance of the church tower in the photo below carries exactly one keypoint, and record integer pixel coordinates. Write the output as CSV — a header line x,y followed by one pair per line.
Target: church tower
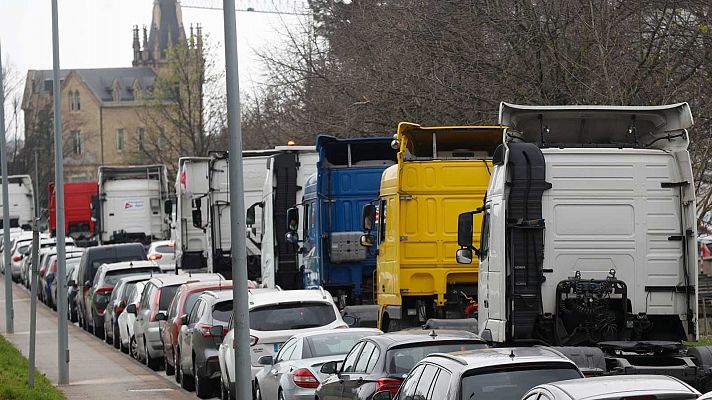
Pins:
x,y
166,30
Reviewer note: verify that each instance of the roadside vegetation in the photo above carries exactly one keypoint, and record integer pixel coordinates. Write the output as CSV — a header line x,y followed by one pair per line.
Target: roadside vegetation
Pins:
x,y
13,377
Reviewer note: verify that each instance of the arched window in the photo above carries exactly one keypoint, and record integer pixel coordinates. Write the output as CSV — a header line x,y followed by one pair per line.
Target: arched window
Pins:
x,y
71,101
77,104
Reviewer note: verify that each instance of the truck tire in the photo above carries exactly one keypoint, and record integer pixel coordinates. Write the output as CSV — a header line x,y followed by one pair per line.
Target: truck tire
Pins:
x,y
703,358
590,360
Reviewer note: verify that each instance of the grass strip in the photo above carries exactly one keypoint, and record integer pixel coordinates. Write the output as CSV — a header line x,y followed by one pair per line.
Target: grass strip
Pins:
x,y
13,377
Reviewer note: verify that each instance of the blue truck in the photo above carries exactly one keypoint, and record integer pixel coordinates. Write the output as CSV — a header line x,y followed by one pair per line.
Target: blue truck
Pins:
x,y
348,177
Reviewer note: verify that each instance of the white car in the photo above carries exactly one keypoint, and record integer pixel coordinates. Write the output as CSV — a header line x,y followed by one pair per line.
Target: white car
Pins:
x,y
14,233
126,322
275,316
163,253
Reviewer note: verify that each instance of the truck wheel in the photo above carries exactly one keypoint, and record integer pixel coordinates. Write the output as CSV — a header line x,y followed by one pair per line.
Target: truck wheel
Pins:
x,y
703,358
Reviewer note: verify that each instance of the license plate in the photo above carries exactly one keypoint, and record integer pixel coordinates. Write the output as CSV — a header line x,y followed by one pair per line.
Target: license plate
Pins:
x,y
276,347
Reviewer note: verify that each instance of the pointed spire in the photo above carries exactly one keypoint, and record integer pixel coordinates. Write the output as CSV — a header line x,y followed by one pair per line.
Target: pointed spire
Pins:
x,y
136,47
144,53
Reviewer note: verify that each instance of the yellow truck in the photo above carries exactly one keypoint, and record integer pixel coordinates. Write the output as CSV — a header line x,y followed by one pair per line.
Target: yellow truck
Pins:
x,y
441,172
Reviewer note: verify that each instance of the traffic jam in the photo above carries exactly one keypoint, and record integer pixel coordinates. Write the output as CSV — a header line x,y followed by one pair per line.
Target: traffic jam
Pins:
x,y
523,260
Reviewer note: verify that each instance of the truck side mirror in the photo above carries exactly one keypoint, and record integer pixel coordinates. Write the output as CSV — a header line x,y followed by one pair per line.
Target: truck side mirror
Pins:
x,y
292,219
250,215
369,217
367,240
463,256
168,207
197,213
464,229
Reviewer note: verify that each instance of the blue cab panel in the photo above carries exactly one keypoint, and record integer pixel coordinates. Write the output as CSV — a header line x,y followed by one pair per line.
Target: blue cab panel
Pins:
x,y
348,177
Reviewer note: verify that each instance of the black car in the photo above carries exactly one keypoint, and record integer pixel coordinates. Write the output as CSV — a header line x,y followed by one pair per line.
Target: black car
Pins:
x,y
92,259
104,281
380,363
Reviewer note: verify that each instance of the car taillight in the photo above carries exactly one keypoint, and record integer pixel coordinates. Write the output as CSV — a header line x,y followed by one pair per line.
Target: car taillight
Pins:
x,y
389,384
155,256
253,340
305,379
205,330
16,258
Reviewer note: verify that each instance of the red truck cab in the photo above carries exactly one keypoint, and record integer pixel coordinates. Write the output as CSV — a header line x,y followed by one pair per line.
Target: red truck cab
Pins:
x,y
77,209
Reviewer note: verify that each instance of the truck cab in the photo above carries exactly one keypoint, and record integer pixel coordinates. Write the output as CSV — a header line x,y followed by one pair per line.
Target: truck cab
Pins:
x,y
191,213
440,172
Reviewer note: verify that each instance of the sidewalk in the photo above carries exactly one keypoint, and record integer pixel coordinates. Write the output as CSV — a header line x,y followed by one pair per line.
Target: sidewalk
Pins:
x,y
96,371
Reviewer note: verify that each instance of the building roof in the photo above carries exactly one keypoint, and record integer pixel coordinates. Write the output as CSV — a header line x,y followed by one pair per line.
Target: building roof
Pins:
x,y
99,80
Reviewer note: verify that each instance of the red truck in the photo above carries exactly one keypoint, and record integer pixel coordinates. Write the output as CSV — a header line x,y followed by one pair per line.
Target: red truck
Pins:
x,y
77,209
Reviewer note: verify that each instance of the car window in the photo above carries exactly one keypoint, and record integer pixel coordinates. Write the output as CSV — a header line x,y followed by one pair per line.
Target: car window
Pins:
x,y
441,385
372,362
111,277
400,360
532,396
97,279
350,361
126,290
167,295
145,295
408,388
338,343
425,382
289,316
512,383
286,352
222,312
173,309
194,312
190,302
368,349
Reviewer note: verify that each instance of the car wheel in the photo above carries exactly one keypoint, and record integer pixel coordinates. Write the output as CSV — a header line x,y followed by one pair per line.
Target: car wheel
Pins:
x,y
150,361
133,351
116,337
202,385
176,364
186,382
170,369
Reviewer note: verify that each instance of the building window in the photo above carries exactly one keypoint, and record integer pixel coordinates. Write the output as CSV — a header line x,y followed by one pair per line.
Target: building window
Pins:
x,y
119,140
77,143
71,101
77,104
140,136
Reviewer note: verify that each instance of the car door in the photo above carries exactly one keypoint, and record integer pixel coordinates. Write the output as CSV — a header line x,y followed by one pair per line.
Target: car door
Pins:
x,y
143,314
187,333
332,387
407,390
274,373
355,378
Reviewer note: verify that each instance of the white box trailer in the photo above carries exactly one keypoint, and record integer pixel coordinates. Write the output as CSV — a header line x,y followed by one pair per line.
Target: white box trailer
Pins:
x,y
130,206
288,171
21,200
190,222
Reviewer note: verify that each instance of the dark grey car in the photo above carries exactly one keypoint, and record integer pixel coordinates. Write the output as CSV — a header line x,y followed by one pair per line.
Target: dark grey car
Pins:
x,y
117,303
200,336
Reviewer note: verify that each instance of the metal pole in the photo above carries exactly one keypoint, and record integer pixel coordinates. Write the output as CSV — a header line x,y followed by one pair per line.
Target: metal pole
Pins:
x,y
241,322
37,187
9,312
62,345
33,299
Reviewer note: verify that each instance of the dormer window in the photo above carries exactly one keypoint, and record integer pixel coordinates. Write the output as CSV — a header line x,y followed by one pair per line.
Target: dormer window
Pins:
x,y
136,90
116,91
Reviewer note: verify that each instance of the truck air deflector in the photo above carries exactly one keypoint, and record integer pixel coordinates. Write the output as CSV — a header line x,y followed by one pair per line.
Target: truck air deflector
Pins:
x,y
658,127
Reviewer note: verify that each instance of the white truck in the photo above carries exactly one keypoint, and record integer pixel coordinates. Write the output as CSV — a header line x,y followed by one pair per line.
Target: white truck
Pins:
x,y
588,238
22,201
288,171
130,205
190,219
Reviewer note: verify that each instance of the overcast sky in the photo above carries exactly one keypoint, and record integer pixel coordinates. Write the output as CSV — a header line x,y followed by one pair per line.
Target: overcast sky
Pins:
x,y
97,33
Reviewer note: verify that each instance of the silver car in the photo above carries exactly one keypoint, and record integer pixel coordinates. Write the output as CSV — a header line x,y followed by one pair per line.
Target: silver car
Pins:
x,y
156,297
295,371
615,388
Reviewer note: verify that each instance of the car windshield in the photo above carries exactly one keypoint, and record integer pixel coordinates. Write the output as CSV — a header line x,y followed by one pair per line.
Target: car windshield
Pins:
x,y
222,311
286,316
167,294
337,343
113,276
513,381
401,360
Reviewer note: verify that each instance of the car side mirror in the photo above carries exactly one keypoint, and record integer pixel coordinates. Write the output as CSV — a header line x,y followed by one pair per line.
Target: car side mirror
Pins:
x,y
265,360
350,320
369,217
184,319
368,240
131,309
292,220
217,331
329,368
382,395
250,215
161,316
291,237
464,256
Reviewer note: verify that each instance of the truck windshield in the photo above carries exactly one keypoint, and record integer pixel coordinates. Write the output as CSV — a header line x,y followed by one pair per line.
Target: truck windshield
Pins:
x,y
281,317
512,381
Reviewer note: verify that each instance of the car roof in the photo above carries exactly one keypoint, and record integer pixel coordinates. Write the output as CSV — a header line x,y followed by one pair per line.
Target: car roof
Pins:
x,y
259,297
392,339
498,356
135,278
129,265
170,279
218,295
600,386
160,243
204,285
337,332
115,246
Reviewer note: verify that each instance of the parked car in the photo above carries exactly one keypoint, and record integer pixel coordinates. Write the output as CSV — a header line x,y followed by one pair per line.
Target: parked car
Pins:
x,y
201,333
117,303
275,316
21,250
294,373
47,279
71,270
91,260
45,245
642,387
381,363
494,373
186,296
163,252
126,321
14,233
156,297
106,277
